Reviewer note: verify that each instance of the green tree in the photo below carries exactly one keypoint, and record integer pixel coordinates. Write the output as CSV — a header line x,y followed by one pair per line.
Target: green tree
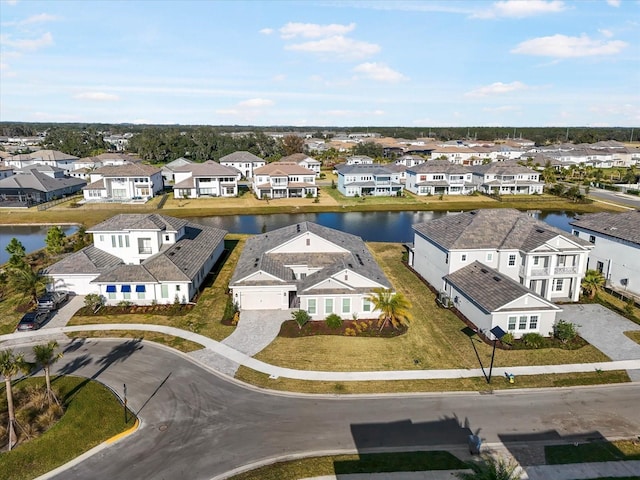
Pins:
x,y
301,317
292,144
46,356
371,149
16,252
28,282
565,331
74,141
10,365
55,240
631,175
491,468
549,173
393,307
592,282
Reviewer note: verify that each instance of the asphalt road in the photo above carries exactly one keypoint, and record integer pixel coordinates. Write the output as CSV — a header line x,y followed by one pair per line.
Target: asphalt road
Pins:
x,y
197,425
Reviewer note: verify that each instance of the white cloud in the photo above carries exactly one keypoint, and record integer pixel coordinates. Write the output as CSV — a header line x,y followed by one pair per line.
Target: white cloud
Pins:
x,y
606,33
228,111
503,108
613,3
496,88
341,47
256,103
27,44
97,96
562,46
267,31
378,112
379,72
314,30
279,78
521,8
39,18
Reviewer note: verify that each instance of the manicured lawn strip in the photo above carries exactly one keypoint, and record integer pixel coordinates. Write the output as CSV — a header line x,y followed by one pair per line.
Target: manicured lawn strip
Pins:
x,y
258,379
593,452
178,343
633,335
9,317
349,464
204,318
434,338
92,416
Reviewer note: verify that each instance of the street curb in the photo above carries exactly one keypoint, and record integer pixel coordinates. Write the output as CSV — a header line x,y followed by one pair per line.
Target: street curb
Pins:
x,y
126,433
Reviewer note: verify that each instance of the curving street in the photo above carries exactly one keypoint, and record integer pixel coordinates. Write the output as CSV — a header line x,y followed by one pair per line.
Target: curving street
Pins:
x,y
200,425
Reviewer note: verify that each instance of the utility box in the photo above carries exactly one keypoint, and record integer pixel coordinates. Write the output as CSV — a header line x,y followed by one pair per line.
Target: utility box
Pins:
x,y
475,442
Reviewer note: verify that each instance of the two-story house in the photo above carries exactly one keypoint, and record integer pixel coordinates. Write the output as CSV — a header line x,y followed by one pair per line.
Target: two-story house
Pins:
x,y
409,160
439,177
303,160
364,179
616,246
509,177
245,162
284,180
142,259
359,160
208,179
38,183
123,183
53,158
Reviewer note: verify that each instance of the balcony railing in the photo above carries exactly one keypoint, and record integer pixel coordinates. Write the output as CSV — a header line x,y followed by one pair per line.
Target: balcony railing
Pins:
x,y
561,270
144,251
539,271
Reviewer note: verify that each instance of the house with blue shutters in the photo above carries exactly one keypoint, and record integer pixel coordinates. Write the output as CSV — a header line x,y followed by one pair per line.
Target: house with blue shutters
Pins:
x,y
142,259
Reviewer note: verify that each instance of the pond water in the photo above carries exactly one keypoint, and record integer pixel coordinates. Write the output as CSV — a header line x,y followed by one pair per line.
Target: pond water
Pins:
x,y
32,237
371,226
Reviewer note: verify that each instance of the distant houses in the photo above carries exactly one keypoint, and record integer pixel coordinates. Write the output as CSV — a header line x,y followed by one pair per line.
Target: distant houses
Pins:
x,y
37,183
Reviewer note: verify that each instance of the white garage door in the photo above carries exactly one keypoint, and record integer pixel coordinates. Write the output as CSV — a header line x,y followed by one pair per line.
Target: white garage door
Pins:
x,y
260,300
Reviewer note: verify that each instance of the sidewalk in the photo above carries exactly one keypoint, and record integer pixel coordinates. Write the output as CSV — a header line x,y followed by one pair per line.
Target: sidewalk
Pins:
x,y
228,353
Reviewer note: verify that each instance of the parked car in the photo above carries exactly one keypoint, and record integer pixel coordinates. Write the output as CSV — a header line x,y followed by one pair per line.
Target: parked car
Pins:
x,y
33,320
52,300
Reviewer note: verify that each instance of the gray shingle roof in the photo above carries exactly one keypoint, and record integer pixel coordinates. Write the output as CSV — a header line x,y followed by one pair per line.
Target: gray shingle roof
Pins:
x,y
625,226
208,168
90,260
139,221
255,256
128,170
374,169
438,166
488,288
241,156
491,228
40,181
501,168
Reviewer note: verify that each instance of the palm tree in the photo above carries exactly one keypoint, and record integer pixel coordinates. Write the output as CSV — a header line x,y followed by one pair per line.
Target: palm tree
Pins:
x,y
592,282
45,357
10,365
490,468
394,307
28,282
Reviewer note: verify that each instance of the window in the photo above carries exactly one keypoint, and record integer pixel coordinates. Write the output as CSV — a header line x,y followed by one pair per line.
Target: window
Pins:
x,y
177,288
559,284
102,238
576,233
166,238
600,266
328,305
512,260
120,241
164,291
366,305
490,257
126,295
126,241
346,305
463,257
446,258
113,241
533,322
522,325
111,295
512,323
592,238
308,242
311,306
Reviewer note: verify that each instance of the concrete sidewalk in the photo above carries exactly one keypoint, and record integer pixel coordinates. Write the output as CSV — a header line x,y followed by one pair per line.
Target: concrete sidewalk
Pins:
x,y
224,351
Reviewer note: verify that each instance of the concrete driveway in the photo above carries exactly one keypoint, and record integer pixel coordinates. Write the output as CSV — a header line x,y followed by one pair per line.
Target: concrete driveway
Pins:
x,y
604,329
62,316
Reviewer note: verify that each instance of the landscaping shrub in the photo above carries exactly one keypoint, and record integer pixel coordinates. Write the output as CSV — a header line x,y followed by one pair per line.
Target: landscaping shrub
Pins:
x,y
565,331
94,301
301,317
507,338
334,321
533,340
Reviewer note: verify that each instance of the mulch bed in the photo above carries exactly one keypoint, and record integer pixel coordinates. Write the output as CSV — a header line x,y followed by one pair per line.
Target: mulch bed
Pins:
x,y
349,328
169,309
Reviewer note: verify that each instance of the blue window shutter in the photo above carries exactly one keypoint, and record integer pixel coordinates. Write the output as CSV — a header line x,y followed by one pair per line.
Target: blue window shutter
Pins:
x,y
140,288
125,288
111,288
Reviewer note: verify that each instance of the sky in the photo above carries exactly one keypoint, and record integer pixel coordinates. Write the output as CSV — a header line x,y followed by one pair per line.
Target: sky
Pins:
x,y
322,63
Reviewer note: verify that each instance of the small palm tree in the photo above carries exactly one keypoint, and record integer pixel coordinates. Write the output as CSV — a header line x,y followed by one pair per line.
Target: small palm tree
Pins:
x,y
10,365
592,282
490,468
45,357
393,307
28,282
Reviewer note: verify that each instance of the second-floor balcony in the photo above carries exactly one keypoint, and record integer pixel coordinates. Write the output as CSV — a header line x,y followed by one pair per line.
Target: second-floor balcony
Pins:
x,y
563,270
144,250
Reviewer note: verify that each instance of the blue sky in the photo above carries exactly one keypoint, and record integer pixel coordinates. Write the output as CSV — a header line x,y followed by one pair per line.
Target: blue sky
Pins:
x,y
331,63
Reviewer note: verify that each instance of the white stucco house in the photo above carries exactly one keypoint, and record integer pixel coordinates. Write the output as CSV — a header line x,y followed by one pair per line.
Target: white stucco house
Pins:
x,y
123,183
52,158
359,160
141,258
439,177
507,177
168,174
284,180
303,160
207,179
489,298
616,246
364,179
244,162
307,266
544,259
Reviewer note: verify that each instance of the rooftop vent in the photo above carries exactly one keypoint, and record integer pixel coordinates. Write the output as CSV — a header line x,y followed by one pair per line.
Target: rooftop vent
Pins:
x,y
539,230
359,259
484,270
298,227
497,279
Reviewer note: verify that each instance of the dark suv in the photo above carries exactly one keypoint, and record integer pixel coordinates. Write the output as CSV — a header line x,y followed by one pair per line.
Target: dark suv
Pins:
x,y
33,320
52,300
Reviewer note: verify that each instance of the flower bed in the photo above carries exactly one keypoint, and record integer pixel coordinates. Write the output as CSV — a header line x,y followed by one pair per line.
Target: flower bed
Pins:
x,y
168,309
349,328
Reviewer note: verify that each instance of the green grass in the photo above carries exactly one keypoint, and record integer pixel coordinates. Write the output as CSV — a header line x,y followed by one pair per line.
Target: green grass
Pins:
x,y
633,335
92,416
593,452
349,464
178,343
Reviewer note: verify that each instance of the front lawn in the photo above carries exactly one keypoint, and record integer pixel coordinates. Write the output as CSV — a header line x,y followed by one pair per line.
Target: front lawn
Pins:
x,y
90,408
434,339
599,451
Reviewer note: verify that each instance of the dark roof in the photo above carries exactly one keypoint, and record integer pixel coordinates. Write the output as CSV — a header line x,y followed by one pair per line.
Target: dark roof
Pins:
x,y
508,167
127,170
503,228
139,221
625,226
241,156
488,288
356,256
37,180
90,260
438,166
208,168
374,169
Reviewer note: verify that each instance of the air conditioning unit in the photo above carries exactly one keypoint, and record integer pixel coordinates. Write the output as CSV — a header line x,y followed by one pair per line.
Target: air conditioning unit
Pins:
x,y
444,300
